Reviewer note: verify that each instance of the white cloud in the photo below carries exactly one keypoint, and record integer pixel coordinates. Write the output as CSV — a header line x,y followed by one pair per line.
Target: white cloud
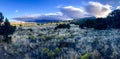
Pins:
x,y
91,9
16,11
59,6
73,12
57,13
97,9
118,7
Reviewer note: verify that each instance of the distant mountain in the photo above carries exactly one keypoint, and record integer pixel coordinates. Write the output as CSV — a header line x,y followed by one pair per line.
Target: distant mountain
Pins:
x,y
43,18
83,19
47,18
86,18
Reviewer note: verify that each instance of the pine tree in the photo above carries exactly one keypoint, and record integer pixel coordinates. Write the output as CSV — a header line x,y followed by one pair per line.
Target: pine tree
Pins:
x,y
7,23
114,19
1,17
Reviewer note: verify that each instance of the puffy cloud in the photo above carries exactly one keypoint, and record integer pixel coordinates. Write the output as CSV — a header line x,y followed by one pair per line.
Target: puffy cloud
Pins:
x,y
16,11
118,7
97,9
91,9
73,12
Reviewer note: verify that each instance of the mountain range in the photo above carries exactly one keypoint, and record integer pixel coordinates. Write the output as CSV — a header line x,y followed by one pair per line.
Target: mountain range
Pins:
x,y
43,18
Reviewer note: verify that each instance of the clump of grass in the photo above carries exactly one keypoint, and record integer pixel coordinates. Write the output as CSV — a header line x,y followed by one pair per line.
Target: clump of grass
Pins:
x,y
50,53
52,36
31,36
61,37
57,50
46,37
85,56
45,50
43,37
72,36
97,39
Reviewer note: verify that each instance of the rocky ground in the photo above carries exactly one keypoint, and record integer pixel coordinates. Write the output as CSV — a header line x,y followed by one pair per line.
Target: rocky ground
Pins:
x,y
43,42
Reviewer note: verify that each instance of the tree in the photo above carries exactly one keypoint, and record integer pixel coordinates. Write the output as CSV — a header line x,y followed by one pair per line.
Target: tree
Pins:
x,y
7,23
1,20
1,17
6,29
100,24
90,23
114,19
6,26
115,13
62,26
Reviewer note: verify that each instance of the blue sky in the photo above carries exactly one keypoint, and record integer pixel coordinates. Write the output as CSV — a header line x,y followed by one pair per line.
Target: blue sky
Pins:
x,y
16,8
8,7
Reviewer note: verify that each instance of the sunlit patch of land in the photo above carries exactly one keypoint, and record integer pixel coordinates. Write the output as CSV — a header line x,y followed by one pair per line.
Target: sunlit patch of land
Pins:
x,y
34,24
23,23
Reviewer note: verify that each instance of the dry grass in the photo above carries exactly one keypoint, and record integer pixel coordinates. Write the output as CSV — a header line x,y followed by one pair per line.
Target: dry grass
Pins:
x,y
23,24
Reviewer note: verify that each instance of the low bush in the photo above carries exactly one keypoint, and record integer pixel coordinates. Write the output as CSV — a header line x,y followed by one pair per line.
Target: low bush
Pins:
x,y
62,26
85,56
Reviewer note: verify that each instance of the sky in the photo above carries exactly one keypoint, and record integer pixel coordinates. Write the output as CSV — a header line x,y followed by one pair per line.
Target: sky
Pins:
x,y
15,9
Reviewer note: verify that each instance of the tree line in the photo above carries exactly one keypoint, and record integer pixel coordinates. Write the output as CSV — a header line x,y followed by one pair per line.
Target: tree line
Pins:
x,y
111,21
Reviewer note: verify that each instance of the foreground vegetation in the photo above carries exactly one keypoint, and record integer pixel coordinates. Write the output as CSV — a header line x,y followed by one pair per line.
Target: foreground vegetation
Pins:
x,y
74,43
